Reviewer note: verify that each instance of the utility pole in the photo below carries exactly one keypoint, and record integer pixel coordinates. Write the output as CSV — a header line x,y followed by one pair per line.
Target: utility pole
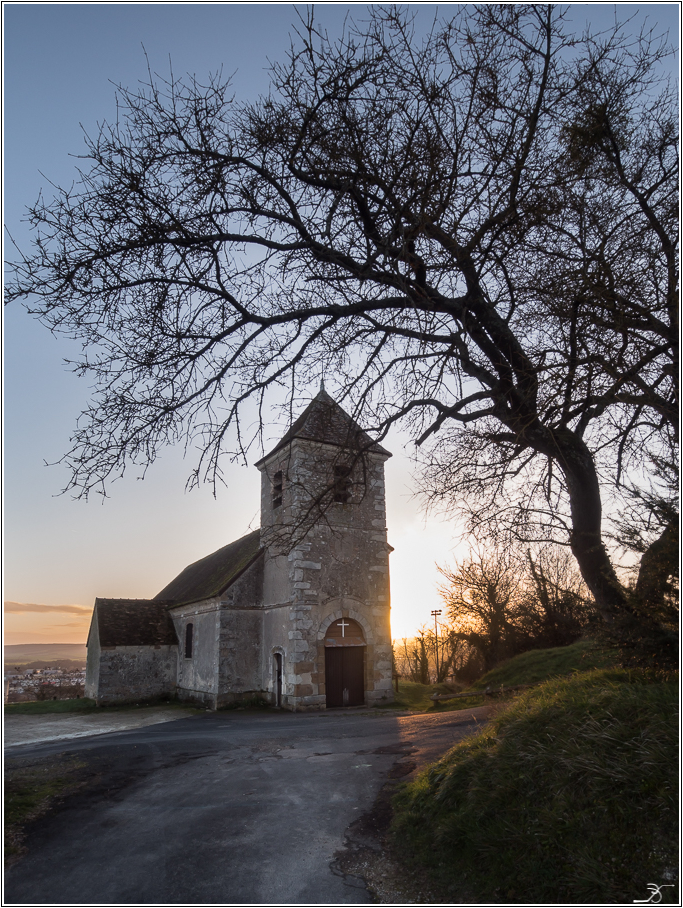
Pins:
x,y
436,612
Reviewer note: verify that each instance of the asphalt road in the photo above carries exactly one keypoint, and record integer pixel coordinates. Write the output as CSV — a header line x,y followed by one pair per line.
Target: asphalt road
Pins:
x,y
222,808
50,727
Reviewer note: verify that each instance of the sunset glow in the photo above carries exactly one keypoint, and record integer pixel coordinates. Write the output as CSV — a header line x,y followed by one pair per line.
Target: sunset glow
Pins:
x,y
61,63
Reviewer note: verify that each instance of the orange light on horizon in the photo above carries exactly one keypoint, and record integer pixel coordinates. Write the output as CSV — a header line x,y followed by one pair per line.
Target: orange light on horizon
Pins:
x,y
31,622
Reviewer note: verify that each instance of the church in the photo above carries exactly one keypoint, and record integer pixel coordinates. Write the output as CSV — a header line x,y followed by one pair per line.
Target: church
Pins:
x,y
295,614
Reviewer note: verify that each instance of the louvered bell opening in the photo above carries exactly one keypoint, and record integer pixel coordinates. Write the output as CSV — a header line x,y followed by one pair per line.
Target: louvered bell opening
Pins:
x,y
277,489
342,484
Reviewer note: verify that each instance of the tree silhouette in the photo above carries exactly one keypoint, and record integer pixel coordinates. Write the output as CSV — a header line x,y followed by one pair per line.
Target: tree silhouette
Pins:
x,y
475,232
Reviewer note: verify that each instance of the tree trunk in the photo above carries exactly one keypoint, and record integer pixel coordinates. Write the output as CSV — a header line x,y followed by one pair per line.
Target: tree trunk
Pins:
x,y
578,467
658,564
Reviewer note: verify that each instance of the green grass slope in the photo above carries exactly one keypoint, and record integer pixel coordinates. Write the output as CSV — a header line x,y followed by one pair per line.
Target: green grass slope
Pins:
x,y
570,795
527,668
543,664
410,695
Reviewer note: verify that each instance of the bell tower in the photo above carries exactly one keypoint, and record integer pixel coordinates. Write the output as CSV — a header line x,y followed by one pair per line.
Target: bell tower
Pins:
x,y
326,570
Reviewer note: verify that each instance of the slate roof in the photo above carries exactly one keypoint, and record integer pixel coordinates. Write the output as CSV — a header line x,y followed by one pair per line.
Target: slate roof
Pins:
x,y
134,622
324,421
211,575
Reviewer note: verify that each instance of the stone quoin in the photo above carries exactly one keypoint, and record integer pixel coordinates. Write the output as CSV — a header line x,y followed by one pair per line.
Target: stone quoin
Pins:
x,y
296,613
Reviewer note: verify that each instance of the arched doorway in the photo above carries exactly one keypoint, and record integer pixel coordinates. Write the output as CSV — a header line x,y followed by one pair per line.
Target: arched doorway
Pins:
x,y
277,672
344,664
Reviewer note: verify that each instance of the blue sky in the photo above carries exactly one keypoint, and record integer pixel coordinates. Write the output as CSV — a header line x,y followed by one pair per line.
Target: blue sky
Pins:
x,y
60,61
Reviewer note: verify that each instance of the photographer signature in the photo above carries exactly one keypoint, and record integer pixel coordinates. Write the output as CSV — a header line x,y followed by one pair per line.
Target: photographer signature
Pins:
x,y
655,894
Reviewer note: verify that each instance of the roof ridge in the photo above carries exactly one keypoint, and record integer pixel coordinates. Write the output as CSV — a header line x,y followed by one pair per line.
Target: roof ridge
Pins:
x,y
211,575
326,422
133,622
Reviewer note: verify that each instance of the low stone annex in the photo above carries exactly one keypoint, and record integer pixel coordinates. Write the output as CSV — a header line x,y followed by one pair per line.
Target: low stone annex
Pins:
x,y
296,613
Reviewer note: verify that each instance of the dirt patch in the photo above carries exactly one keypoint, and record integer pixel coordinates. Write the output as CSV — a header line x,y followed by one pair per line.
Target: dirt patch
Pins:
x,y
366,854
400,770
400,749
367,851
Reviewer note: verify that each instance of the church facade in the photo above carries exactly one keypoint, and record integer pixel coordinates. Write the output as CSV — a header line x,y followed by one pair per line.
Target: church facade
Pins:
x,y
296,613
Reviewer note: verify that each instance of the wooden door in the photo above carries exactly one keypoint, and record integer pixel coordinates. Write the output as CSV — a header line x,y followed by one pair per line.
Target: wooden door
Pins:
x,y
344,676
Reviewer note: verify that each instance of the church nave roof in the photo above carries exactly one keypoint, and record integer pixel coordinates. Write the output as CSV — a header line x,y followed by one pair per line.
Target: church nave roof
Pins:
x,y
209,576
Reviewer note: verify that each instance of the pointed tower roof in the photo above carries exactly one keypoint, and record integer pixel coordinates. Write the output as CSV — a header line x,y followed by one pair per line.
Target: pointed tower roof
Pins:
x,y
324,421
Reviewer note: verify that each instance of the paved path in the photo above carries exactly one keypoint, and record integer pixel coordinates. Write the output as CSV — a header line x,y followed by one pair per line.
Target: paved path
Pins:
x,y
221,809
27,729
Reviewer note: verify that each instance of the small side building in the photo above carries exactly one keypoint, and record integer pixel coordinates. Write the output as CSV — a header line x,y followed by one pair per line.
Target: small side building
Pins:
x,y
296,613
132,651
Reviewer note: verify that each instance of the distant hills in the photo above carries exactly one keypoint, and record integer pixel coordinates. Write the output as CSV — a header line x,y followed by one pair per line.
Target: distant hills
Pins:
x,y
21,653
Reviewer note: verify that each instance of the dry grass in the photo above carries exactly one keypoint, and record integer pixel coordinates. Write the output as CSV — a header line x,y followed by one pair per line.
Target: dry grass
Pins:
x,y
569,795
31,790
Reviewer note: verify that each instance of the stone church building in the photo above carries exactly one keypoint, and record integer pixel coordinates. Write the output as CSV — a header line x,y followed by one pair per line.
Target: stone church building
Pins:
x,y
296,613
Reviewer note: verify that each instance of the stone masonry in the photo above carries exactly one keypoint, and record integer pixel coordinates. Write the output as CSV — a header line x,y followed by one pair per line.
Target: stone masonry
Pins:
x,y
338,567
218,632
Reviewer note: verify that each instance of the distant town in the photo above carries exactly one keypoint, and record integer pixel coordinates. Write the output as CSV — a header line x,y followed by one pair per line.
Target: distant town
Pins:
x,y
42,681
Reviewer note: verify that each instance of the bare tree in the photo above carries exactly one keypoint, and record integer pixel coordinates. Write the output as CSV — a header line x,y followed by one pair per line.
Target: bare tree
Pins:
x,y
456,656
501,604
475,232
484,602
556,606
415,658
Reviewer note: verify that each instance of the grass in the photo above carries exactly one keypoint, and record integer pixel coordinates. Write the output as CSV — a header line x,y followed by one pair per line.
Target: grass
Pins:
x,y
42,707
83,705
543,664
30,791
410,695
527,668
570,794
418,698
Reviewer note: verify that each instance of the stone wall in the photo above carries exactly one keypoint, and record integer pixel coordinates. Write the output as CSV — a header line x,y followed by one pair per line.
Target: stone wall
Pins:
x,y
240,639
227,636
326,559
129,673
247,590
92,665
197,676
276,626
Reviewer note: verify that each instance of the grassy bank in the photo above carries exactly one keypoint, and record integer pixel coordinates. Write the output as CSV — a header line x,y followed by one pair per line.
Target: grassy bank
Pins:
x,y
569,795
44,707
527,668
410,695
52,707
30,791
543,664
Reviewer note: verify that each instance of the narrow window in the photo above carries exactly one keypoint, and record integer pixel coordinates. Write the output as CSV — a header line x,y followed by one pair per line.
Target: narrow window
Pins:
x,y
277,489
188,641
342,484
